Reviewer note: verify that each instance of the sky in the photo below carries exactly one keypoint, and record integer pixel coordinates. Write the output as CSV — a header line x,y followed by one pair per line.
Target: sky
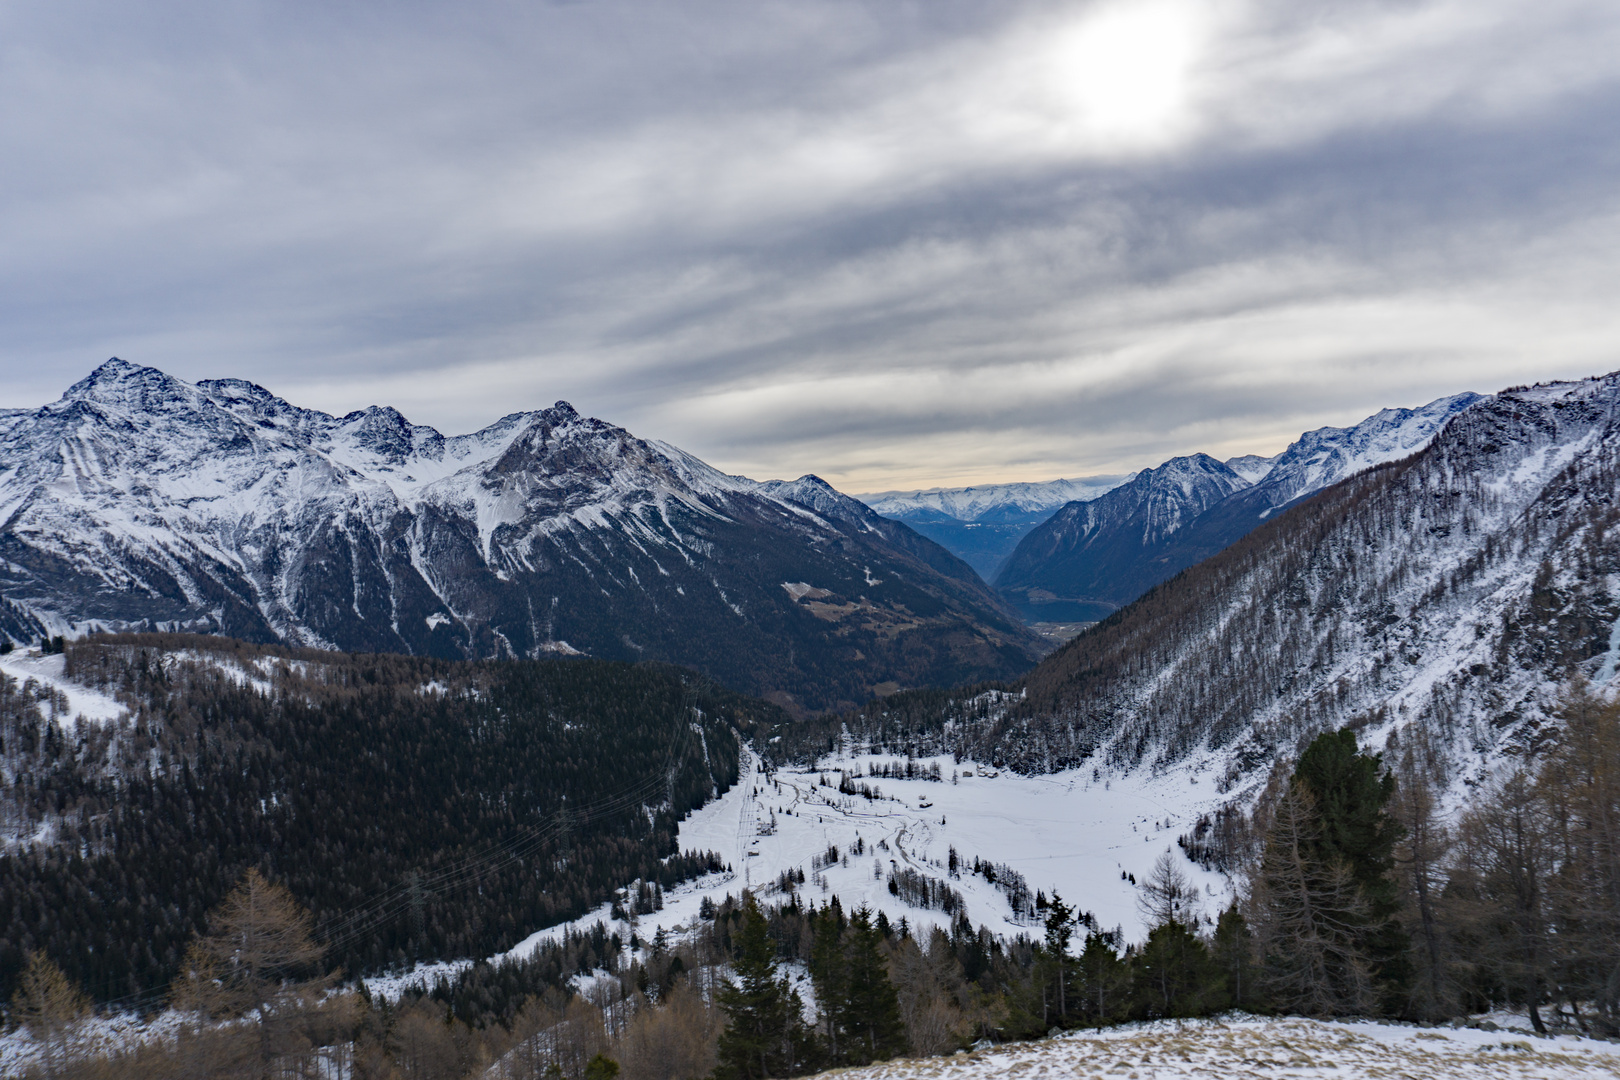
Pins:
x,y
897,244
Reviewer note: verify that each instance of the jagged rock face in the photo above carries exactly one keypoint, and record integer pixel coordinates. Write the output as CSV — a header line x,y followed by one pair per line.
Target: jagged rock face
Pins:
x,y
139,501
1453,592
1114,548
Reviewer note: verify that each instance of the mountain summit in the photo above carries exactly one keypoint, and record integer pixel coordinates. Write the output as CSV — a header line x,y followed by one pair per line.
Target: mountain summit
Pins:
x,y
1098,555
140,501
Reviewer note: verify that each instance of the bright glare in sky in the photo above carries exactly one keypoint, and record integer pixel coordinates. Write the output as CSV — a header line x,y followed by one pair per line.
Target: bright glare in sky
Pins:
x,y
1123,71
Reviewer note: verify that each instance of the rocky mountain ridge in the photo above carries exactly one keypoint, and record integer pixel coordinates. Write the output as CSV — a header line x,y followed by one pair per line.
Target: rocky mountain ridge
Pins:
x,y
141,502
1452,593
1105,552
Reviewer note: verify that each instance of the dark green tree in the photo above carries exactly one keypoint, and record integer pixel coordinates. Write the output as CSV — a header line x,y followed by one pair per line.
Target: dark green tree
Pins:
x,y
1059,928
1232,950
828,974
1173,974
1351,793
870,1011
1101,976
763,1035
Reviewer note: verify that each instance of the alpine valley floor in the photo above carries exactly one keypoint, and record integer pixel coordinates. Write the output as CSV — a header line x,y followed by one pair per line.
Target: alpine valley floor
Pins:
x,y
1065,831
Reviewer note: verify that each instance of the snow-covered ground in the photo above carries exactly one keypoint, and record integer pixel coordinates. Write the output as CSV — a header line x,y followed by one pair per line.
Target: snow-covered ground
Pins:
x,y
23,665
1253,1046
1064,832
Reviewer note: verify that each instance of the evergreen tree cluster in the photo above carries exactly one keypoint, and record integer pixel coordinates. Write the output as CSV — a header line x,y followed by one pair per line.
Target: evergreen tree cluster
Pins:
x,y
416,807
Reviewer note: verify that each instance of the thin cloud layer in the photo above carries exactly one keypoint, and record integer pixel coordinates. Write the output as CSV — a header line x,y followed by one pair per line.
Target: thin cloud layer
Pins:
x,y
896,245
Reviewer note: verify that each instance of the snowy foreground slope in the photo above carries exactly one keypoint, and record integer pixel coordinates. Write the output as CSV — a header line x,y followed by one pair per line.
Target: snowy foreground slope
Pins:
x,y
1245,1046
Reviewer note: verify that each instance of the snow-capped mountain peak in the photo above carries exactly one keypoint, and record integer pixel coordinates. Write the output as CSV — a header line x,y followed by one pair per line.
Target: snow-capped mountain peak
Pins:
x,y
141,501
1110,550
973,503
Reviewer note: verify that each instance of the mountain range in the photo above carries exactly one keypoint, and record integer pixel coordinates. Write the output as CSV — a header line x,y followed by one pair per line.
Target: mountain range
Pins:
x,y
983,524
139,501
1450,593
1094,556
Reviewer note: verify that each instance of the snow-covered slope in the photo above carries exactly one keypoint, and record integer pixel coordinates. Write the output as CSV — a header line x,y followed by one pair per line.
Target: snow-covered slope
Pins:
x,y
1110,550
64,700
1452,592
1084,837
141,501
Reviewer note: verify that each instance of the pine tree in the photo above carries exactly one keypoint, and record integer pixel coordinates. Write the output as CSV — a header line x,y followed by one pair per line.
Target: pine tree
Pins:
x,y
1351,793
870,1011
763,1036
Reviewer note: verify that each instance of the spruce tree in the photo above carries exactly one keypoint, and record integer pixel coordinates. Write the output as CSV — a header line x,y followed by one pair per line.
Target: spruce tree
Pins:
x,y
829,975
1232,950
1101,976
1059,928
1351,792
762,1036
870,1011
1173,974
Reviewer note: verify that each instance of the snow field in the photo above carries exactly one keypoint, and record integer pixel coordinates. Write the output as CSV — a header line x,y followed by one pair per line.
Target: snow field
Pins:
x,y
93,706
1275,1048
1065,832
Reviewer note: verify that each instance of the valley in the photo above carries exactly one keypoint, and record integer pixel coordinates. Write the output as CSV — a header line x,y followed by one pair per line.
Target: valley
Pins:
x,y
494,822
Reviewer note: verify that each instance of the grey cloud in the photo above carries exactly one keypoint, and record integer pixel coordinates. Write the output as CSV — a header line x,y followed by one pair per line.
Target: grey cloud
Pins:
x,y
811,237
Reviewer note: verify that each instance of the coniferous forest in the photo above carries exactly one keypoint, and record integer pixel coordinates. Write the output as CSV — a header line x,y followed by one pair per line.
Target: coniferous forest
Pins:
x,y
271,821
414,807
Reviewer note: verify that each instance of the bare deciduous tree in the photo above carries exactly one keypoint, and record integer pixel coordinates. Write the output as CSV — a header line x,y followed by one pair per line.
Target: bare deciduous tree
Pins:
x,y
1421,869
257,960
50,1007
1501,876
1167,894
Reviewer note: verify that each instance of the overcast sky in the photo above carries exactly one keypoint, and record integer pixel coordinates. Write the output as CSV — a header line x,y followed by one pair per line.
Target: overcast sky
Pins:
x,y
896,244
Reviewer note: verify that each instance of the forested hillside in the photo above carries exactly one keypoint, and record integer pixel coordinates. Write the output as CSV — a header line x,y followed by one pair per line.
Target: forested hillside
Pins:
x,y
1452,592
417,807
